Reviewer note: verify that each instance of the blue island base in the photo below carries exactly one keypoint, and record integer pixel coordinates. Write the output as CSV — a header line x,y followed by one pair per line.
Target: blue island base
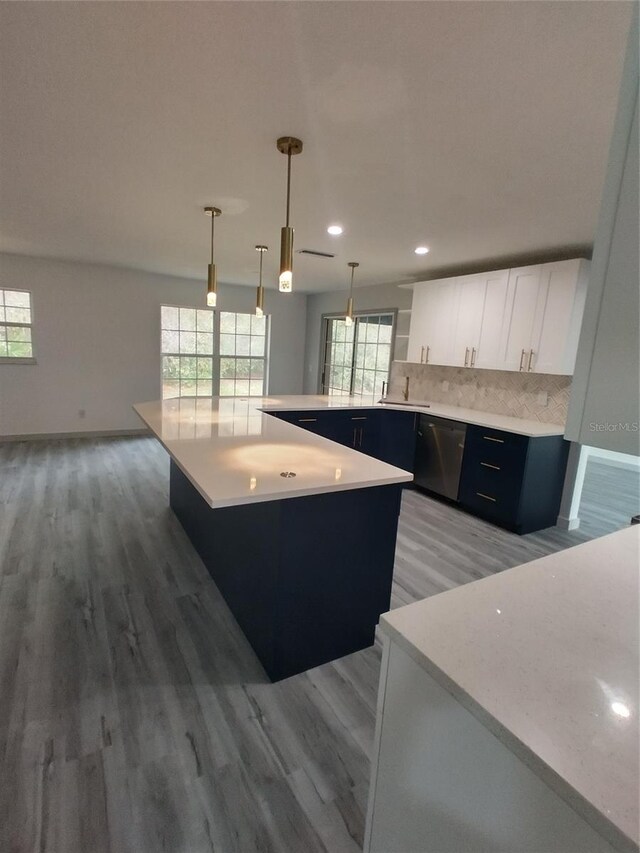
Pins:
x,y
305,578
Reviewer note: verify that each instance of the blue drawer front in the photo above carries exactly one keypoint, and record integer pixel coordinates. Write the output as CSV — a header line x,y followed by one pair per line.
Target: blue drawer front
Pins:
x,y
492,473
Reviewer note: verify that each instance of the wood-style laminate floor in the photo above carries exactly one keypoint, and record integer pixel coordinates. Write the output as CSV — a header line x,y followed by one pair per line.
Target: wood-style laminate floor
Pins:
x,y
134,717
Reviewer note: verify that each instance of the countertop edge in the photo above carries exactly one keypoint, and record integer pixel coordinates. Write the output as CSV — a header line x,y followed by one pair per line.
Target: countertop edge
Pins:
x,y
573,798
279,496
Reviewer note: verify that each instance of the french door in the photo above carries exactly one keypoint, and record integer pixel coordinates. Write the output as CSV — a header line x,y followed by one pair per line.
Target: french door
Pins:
x,y
357,358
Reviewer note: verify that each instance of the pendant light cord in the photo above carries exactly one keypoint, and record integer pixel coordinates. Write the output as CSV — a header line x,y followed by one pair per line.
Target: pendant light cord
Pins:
x,y
213,219
288,183
353,269
261,254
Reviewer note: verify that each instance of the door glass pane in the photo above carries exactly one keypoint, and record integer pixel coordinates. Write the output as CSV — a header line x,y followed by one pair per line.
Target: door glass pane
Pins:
x,y
357,358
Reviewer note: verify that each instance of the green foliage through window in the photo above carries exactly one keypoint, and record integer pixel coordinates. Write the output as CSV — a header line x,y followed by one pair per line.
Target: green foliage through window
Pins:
x,y
357,357
15,324
191,366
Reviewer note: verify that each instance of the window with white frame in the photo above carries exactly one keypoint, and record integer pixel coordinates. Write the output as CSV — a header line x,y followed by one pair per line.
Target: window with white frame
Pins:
x,y
205,355
16,322
187,351
243,354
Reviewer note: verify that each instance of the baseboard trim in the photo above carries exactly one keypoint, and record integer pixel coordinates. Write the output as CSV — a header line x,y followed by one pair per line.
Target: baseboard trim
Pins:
x,y
567,523
97,433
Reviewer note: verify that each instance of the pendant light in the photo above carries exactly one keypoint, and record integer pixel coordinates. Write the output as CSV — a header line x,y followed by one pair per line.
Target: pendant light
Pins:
x,y
260,295
348,317
288,145
212,276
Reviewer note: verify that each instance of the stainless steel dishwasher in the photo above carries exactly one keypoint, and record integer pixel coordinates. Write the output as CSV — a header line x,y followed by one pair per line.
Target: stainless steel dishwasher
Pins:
x,y
439,450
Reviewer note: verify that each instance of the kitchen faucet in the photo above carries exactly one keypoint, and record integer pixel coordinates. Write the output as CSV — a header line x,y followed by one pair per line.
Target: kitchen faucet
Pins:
x,y
405,393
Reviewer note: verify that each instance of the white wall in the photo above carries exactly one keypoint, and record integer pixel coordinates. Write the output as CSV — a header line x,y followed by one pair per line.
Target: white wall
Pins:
x,y
380,297
605,391
97,343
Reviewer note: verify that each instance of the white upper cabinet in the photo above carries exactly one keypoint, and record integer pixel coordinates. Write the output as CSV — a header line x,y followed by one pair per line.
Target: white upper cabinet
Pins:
x,y
432,322
481,301
526,319
556,330
520,317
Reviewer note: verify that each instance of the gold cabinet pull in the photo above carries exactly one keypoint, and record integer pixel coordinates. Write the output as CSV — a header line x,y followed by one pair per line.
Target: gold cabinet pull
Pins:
x,y
489,465
466,357
473,357
530,358
491,438
360,418
486,497
307,420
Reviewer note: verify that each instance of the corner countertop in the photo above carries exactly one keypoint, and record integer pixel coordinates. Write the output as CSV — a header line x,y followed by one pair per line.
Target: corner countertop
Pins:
x,y
546,656
233,453
521,426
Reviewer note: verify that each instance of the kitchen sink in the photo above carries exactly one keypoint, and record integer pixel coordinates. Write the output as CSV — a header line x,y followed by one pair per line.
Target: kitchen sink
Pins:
x,y
404,403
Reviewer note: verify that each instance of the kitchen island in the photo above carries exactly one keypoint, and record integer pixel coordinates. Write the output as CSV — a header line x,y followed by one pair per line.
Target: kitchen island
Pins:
x,y
508,711
297,531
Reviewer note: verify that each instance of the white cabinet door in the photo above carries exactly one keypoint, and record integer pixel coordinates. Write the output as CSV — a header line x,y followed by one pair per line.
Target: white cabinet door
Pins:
x,y
468,323
432,321
417,331
522,307
441,308
482,301
494,311
556,329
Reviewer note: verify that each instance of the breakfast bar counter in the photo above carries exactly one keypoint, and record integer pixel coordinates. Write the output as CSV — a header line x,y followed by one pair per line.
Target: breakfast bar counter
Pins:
x,y
297,531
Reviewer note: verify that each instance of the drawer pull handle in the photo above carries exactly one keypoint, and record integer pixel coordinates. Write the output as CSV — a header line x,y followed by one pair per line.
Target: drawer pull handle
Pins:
x,y
426,358
486,497
521,361
359,419
307,420
466,357
491,438
489,465
530,360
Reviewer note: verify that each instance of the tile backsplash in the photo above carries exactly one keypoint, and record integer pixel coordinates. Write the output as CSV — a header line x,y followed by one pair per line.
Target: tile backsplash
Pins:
x,y
536,396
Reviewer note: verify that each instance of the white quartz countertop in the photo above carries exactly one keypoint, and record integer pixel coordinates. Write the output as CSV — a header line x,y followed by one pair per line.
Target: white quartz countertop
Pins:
x,y
235,454
546,656
521,426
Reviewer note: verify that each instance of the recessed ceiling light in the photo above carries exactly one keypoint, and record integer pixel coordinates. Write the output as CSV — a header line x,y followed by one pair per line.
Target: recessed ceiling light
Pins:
x,y
335,230
421,250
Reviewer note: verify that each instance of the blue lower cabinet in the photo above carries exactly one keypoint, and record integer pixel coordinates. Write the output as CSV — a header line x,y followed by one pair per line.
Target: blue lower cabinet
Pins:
x,y
387,435
513,480
321,423
397,438
360,430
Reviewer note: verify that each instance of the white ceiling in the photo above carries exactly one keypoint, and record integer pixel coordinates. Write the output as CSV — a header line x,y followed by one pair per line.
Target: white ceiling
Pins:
x,y
480,129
